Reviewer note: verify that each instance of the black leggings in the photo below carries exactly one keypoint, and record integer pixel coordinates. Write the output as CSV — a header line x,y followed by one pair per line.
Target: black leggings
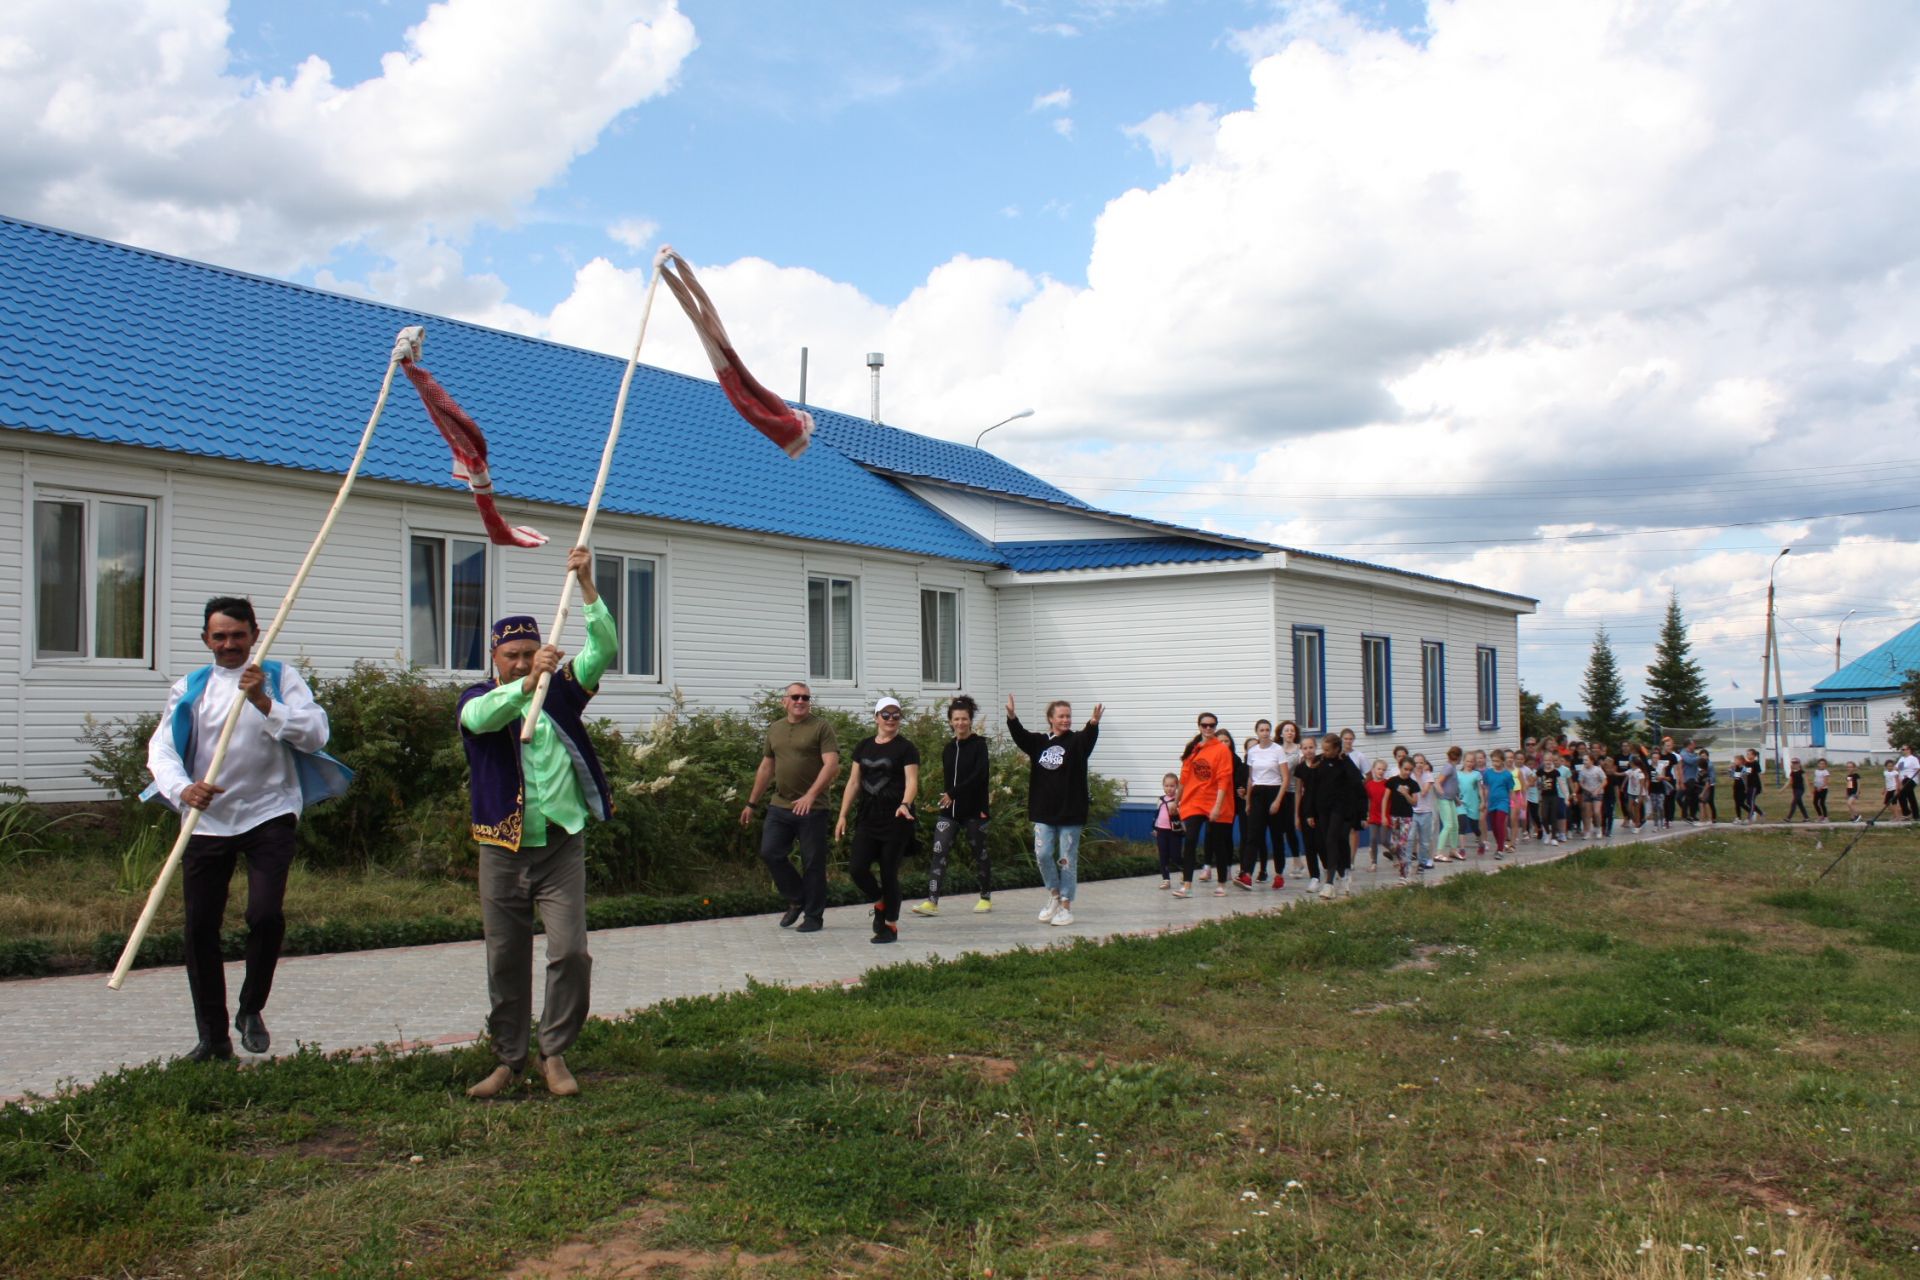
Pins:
x,y
1219,845
883,847
1313,841
1820,801
1338,852
1168,840
946,834
1257,831
1286,824
1706,801
1799,802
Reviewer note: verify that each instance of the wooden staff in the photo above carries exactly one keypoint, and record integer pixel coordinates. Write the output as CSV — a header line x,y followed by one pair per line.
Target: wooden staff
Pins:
x,y
405,347
593,503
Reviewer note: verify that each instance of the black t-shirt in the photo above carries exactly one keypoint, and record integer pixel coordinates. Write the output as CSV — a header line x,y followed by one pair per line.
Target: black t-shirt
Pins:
x,y
883,778
1401,794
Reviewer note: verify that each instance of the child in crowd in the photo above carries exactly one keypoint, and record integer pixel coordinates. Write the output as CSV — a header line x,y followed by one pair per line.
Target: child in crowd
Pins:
x,y
1530,788
1853,790
1821,774
1166,828
1423,812
1472,787
1797,789
1403,792
1376,810
1891,796
1593,793
1497,783
1636,792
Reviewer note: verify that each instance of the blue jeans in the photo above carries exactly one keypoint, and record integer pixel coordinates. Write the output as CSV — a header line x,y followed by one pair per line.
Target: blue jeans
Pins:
x,y
1057,850
1423,825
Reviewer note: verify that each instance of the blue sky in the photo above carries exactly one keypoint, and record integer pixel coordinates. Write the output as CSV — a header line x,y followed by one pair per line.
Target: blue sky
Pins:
x,y
1446,288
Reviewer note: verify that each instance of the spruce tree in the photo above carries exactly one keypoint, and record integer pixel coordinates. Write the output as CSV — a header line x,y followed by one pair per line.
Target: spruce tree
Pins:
x,y
1606,719
1676,687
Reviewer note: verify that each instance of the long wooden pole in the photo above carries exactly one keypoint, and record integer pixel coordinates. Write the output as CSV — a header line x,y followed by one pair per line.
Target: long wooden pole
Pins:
x,y
406,346
593,503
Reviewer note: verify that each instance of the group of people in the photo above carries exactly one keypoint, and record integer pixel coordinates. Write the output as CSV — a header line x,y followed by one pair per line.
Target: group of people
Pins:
x,y
531,803
1298,804
1308,805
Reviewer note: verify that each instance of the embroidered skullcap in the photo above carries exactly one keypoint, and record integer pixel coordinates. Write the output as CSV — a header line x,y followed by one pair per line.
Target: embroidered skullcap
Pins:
x,y
518,626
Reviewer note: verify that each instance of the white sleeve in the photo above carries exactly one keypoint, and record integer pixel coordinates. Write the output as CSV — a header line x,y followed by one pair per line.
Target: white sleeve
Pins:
x,y
295,718
169,771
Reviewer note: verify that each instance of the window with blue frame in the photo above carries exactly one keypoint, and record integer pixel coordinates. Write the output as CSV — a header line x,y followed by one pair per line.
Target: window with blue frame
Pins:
x,y
1310,679
1433,685
1487,680
1376,683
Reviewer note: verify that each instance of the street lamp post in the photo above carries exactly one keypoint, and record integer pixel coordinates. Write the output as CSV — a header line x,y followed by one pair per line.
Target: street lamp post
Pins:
x,y
1024,413
1770,668
1836,639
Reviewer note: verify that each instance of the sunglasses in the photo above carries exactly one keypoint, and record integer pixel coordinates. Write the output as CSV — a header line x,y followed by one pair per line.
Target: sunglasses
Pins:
x,y
1209,724
889,715
799,697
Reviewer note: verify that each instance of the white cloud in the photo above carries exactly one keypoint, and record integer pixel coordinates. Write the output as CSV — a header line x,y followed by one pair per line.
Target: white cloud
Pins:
x,y
1059,100
634,233
1063,125
1180,137
132,124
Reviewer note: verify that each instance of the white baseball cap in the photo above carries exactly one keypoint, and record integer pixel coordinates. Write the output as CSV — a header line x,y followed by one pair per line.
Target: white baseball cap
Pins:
x,y
886,703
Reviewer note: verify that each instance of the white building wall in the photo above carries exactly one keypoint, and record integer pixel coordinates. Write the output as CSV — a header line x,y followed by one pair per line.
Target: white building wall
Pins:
x,y
732,610
1839,747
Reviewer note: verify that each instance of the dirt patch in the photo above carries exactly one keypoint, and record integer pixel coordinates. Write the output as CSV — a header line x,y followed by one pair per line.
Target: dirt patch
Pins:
x,y
992,1070
341,1146
621,1257
1384,1006
1427,955
1768,1197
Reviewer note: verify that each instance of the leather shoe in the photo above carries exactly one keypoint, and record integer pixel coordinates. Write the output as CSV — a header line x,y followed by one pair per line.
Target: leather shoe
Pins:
x,y
205,1052
786,921
560,1081
498,1081
253,1032
810,926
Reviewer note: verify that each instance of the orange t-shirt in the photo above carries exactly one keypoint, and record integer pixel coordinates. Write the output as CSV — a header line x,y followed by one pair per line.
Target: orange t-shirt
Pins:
x,y
1204,775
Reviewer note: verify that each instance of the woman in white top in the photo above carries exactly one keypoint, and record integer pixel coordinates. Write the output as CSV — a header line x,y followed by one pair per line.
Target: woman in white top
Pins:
x,y
1266,780
1293,847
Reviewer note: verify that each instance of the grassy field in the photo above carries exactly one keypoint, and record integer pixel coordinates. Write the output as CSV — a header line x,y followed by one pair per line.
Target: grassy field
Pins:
x,y
1671,1061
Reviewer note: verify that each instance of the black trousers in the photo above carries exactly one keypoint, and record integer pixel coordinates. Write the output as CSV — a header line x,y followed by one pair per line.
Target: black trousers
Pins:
x,y
1286,825
1313,842
1909,806
807,887
882,848
206,873
1258,829
1218,843
1337,853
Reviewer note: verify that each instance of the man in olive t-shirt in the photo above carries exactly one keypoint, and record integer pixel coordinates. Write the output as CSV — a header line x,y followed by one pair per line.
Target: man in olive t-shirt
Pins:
x,y
800,762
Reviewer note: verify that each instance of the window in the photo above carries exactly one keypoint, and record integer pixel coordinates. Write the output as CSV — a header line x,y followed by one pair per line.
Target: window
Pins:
x,y
92,578
1433,685
1310,679
1376,683
830,629
447,603
1793,719
939,637
1847,719
627,584
1487,681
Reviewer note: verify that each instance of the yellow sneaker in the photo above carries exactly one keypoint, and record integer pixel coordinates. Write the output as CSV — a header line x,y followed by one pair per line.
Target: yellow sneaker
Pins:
x,y
927,908
983,906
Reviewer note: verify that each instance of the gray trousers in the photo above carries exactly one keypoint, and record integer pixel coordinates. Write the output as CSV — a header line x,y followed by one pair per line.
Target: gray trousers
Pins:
x,y
550,878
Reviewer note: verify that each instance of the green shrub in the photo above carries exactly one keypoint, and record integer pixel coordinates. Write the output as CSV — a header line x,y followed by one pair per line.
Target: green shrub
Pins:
x,y
25,958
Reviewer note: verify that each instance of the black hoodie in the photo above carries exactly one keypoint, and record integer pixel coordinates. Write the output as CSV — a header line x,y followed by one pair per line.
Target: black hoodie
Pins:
x,y
1057,780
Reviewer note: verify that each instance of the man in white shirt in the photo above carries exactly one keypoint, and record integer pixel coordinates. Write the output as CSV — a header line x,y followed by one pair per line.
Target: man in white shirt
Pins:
x,y
274,767
1909,775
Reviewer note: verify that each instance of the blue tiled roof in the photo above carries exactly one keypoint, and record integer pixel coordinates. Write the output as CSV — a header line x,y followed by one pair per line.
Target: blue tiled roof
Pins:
x,y
1880,669
908,454
104,342
1114,553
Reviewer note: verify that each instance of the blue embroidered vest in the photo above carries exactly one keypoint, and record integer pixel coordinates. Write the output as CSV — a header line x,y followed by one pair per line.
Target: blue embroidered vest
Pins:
x,y
497,784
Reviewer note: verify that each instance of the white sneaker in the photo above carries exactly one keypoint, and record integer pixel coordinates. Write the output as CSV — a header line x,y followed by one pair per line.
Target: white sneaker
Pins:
x,y
1048,912
1313,885
1326,891
1063,916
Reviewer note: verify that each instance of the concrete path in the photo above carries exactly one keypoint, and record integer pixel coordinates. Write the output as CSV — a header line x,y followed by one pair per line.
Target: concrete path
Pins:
x,y
74,1030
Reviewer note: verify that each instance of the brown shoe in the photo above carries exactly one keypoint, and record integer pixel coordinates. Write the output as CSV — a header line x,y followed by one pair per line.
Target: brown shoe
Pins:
x,y
496,1083
560,1081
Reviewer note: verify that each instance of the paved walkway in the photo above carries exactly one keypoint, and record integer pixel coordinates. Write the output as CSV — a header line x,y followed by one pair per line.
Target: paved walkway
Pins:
x,y
75,1029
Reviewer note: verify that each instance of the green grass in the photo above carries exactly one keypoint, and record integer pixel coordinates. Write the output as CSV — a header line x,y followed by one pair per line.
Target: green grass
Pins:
x,y
1520,1075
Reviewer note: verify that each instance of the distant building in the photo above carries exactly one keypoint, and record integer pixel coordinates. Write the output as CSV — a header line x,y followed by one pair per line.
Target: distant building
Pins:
x,y
1845,716
171,430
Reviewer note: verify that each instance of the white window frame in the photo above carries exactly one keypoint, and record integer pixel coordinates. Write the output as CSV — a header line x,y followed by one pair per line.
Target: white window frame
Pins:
x,y
853,628
1433,686
489,590
1846,719
1369,678
89,500
932,681
619,666
1486,661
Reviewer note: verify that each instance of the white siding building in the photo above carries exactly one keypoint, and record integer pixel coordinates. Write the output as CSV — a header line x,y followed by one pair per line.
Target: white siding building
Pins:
x,y
145,466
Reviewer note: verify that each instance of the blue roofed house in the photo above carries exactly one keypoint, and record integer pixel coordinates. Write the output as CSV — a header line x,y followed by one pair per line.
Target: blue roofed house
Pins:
x,y
1844,717
170,431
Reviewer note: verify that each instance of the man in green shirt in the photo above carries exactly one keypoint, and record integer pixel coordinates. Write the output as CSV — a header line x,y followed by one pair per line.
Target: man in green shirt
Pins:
x,y
531,805
801,759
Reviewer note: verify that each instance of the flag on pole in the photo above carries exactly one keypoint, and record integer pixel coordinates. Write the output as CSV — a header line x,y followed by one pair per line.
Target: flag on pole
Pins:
x,y
462,435
774,418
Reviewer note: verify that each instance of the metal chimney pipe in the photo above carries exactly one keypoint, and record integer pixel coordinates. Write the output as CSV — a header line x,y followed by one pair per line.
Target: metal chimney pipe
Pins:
x,y
874,360
803,375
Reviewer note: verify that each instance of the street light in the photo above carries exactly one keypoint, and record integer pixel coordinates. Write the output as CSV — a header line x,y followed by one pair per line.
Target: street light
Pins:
x,y
1024,413
1770,668
1836,639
